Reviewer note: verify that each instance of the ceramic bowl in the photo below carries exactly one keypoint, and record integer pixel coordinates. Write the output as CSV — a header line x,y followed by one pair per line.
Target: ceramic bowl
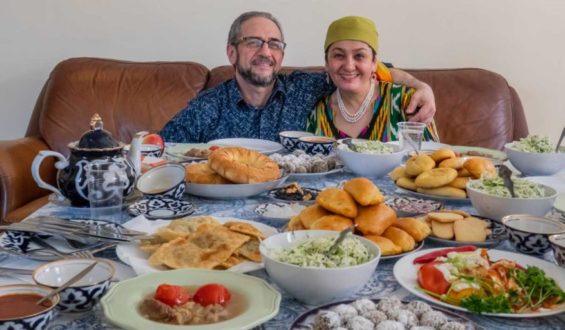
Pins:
x,y
316,145
531,163
496,207
558,244
165,181
38,320
530,234
289,139
85,293
314,285
371,165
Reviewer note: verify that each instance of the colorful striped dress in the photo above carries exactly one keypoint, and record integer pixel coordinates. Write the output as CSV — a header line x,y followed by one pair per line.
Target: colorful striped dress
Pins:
x,y
387,113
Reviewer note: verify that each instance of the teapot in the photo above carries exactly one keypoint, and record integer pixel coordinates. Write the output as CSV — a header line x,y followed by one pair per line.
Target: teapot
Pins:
x,y
95,144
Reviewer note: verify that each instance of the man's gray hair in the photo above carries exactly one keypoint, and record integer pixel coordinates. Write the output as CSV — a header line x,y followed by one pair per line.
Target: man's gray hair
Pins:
x,y
235,29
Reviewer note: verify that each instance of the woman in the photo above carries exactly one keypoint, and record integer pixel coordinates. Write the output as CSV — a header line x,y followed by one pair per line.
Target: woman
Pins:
x,y
362,106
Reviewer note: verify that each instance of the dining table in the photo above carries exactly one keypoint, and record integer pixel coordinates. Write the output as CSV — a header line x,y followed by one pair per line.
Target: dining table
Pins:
x,y
382,283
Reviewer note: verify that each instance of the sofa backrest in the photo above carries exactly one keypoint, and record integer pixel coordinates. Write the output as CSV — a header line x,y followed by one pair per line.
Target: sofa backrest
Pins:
x,y
129,96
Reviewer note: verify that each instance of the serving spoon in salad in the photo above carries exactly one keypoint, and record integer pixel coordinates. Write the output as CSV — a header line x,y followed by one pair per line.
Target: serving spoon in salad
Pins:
x,y
339,239
560,139
506,174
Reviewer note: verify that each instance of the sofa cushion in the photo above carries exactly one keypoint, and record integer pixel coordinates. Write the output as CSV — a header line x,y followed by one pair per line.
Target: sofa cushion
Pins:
x,y
130,97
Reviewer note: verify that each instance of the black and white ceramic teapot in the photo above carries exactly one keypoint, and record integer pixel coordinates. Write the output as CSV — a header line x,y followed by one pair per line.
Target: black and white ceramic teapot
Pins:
x,y
96,144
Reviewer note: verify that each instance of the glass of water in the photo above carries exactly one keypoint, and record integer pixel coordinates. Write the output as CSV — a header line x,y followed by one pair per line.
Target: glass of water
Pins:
x,y
410,135
106,183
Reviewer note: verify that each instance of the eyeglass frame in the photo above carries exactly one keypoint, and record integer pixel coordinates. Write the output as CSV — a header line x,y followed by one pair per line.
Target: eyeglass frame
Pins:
x,y
263,41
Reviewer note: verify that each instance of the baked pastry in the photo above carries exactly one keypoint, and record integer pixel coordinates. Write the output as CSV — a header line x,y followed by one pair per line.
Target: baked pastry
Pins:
x,y
444,217
374,219
463,172
337,201
454,163
459,182
242,165
364,191
397,173
386,246
479,166
441,154
444,191
419,164
295,224
407,183
332,222
312,213
416,228
436,177
201,173
442,229
470,229
400,238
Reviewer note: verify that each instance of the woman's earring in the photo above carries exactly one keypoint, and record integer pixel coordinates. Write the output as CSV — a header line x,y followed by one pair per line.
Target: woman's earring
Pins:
x,y
374,76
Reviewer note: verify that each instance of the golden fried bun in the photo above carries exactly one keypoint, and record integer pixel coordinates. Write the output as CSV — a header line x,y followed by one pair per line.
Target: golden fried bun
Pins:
x,y
294,224
397,173
459,182
364,191
374,219
479,166
312,213
332,222
337,201
444,191
400,238
386,246
201,173
454,163
463,173
436,177
416,228
406,183
441,154
418,164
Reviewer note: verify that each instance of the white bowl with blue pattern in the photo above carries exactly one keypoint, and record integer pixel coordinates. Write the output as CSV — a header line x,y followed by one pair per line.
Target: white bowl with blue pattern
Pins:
x,y
289,139
38,320
316,145
530,234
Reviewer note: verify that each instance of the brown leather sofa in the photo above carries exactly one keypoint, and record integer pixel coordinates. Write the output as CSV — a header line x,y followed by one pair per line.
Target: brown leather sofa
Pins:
x,y
475,107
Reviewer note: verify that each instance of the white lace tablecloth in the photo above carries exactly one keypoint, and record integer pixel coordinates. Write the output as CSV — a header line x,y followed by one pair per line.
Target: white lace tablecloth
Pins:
x,y
382,284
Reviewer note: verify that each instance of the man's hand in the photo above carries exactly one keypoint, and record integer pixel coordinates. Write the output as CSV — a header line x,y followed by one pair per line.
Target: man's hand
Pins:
x,y
422,105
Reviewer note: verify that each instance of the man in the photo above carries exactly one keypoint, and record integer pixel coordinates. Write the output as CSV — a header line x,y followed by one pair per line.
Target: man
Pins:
x,y
259,102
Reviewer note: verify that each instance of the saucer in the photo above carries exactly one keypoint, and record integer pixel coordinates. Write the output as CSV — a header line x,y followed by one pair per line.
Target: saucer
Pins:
x,y
164,208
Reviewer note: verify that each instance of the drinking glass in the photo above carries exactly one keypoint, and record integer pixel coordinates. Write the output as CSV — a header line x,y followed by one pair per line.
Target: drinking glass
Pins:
x,y
410,135
106,183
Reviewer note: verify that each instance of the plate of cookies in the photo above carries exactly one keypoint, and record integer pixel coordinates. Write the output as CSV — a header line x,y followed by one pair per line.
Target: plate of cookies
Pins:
x,y
457,228
440,175
360,203
233,173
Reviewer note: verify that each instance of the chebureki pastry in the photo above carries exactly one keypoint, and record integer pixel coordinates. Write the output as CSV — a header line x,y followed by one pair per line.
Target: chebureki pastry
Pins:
x,y
337,201
364,191
244,228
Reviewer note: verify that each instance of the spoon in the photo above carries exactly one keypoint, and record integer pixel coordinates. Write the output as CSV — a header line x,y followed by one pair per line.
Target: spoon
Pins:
x,y
506,174
350,145
339,239
560,139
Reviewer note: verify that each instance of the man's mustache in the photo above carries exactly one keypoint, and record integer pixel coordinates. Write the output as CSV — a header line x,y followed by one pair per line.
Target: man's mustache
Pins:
x,y
262,60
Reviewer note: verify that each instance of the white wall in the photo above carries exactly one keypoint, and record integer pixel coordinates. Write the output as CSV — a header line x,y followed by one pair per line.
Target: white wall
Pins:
x,y
523,40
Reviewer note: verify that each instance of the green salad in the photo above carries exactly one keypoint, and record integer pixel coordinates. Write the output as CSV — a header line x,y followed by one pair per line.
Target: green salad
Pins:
x,y
495,186
534,143
312,253
369,147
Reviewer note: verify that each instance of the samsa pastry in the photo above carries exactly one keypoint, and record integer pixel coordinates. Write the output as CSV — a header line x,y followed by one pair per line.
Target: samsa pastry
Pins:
x,y
364,191
312,213
337,201
375,219
332,222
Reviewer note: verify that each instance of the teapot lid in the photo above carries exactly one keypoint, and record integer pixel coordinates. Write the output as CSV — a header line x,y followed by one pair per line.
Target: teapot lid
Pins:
x,y
97,137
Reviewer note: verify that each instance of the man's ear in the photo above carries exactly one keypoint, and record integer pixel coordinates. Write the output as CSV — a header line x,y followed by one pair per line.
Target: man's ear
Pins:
x,y
232,54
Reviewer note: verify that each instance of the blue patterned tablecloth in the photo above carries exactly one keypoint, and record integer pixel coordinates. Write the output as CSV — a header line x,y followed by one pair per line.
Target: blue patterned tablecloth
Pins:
x,y
381,285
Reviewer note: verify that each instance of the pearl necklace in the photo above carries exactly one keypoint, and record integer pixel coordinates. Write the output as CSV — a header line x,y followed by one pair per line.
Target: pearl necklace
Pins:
x,y
353,118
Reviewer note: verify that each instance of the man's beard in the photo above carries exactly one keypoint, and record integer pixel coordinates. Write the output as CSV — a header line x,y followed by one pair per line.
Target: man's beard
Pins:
x,y
253,78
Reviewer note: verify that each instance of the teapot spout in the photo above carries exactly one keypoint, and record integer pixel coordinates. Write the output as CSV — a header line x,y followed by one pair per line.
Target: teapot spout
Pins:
x,y
134,153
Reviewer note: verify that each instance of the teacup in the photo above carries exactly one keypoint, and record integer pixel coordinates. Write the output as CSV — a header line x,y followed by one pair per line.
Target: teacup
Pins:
x,y
314,145
289,139
165,181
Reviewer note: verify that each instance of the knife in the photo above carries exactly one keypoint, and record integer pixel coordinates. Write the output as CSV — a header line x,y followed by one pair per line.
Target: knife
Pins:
x,y
70,282
63,232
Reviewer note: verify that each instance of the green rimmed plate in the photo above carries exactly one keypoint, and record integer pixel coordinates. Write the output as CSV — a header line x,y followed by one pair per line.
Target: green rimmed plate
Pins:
x,y
121,303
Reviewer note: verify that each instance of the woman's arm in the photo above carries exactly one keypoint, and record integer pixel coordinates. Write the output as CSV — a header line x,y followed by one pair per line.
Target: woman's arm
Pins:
x,y
422,106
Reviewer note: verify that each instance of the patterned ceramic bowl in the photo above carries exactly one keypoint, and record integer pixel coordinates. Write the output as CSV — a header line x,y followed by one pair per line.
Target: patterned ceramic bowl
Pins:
x,y
530,234
34,320
316,145
558,244
289,139
86,292
165,181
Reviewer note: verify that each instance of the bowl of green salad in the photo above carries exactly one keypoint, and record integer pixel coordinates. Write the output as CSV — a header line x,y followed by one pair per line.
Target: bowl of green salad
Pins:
x,y
492,199
535,155
299,263
369,158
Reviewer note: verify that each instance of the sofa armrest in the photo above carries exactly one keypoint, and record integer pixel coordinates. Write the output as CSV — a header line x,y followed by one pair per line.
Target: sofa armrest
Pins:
x,y
17,186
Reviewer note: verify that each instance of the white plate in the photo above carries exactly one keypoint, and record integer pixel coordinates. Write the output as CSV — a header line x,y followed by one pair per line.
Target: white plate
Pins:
x,y
178,150
262,208
428,196
130,253
232,191
265,146
300,176
406,274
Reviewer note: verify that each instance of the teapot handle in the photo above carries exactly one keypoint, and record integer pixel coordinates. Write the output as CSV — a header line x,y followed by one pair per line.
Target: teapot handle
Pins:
x,y
60,164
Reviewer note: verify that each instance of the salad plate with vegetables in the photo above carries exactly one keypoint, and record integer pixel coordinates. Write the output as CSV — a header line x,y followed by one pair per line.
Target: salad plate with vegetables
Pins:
x,y
481,281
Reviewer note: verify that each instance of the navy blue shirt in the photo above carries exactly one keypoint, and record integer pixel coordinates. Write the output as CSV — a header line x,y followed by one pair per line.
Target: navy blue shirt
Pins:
x,y
221,112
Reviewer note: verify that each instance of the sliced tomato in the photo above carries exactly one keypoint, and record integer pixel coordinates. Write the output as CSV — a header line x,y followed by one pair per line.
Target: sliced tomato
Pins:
x,y
212,294
153,139
172,295
431,279
212,148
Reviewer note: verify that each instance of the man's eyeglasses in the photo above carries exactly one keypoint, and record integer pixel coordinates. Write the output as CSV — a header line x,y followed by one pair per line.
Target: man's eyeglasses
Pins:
x,y
257,43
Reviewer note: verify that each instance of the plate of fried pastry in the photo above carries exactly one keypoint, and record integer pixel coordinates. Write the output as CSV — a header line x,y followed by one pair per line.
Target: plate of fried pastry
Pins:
x,y
440,175
232,173
360,203
195,242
